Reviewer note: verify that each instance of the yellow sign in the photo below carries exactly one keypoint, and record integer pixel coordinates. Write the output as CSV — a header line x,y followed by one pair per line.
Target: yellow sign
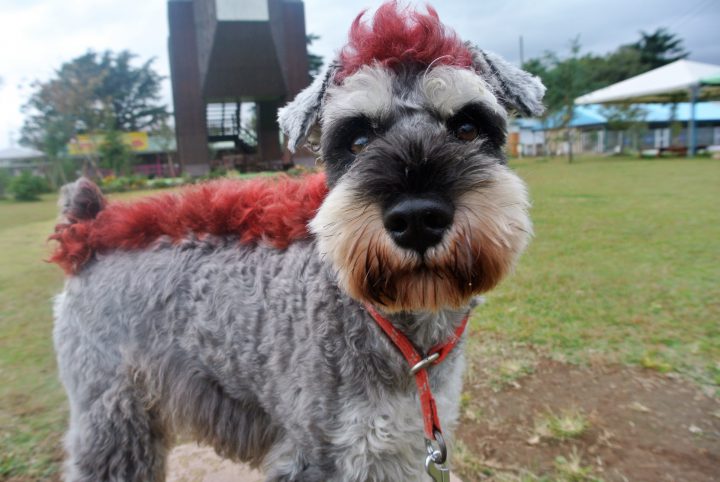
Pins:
x,y
88,144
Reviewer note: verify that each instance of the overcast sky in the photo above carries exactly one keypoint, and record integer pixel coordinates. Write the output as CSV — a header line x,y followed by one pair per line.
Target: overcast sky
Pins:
x,y
36,36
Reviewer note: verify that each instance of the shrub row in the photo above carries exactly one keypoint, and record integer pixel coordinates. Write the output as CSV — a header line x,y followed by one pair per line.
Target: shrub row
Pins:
x,y
25,187
111,184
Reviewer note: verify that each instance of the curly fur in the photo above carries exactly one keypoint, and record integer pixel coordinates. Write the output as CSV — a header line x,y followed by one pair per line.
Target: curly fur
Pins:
x,y
250,349
218,314
396,37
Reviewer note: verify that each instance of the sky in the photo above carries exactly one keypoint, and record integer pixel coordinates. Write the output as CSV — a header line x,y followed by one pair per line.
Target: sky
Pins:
x,y
37,36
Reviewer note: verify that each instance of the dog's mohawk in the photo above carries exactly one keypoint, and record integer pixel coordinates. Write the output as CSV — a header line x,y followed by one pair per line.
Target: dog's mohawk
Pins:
x,y
399,35
272,211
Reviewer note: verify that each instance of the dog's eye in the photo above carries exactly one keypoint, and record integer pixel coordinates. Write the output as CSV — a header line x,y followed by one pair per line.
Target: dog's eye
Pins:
x,y
359,144
466,132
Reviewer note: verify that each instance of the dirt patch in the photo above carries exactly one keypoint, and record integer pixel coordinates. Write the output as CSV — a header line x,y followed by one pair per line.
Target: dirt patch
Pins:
x,y
613,423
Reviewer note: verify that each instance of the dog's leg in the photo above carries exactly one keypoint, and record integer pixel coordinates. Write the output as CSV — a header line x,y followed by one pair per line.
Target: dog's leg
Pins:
x,y
286,462
116,439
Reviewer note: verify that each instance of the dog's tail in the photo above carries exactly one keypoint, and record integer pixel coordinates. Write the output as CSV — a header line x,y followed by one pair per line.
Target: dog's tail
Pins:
x,y
80,203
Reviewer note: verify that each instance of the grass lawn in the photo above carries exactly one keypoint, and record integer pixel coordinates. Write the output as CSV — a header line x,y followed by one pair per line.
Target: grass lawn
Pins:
x,y
32,402
625,267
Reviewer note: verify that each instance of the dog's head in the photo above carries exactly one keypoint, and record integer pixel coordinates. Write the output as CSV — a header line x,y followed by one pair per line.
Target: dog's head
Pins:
x,y
410,124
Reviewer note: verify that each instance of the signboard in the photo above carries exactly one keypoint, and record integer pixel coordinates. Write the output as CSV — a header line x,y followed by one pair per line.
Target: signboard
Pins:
x,y
88,144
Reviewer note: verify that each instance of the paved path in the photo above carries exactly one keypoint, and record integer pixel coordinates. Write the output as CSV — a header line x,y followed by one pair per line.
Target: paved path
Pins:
x,y
192,463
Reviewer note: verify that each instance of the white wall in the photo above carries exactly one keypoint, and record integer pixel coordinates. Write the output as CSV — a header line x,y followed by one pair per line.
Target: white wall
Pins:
x,y
245,10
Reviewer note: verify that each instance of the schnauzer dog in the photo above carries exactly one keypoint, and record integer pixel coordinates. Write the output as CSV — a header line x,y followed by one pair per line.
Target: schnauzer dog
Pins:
x,y
304,326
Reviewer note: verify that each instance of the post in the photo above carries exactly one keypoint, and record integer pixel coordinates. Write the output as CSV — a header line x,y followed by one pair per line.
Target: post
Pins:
x,y
692,134
268,133
190,116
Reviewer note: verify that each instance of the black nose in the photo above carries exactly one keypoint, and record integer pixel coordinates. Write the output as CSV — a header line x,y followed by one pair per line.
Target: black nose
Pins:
x,y
418,223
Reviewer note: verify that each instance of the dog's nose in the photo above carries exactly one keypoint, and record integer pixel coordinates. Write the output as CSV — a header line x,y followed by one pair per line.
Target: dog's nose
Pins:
x,y
418,223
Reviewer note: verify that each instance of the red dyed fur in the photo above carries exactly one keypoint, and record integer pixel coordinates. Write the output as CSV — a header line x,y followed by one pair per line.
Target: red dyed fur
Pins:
x,y
271,210
400,36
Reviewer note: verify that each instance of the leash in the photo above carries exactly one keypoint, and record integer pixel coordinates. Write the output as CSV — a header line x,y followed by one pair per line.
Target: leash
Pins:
x,y
435,460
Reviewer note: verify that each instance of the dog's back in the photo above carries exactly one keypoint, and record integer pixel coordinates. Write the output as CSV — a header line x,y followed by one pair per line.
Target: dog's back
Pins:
x,y
181,335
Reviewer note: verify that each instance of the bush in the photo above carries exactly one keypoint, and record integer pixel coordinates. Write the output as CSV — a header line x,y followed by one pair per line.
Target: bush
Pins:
x,y
4,182
27,187
166,182
110,184
122,183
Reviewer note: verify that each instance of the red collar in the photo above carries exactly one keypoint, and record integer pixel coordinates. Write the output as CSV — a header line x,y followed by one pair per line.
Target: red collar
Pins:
x,y
419,365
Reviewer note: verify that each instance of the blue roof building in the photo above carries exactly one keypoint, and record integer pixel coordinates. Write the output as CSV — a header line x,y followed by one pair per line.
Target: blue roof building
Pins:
x,y
591,131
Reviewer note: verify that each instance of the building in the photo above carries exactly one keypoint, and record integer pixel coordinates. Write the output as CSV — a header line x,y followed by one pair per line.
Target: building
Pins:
x,y
526,137
15,160
224,53
656,129
152,155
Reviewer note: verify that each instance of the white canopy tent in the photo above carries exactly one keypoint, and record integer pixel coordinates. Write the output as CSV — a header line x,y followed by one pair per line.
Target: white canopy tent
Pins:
x,y
679,81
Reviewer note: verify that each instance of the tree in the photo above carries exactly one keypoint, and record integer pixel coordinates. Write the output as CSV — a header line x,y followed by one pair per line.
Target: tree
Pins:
x,y
114,153
315,62
659,48
63,106
92,93
626,117
601,71
166,137
565,79
596,71
132,93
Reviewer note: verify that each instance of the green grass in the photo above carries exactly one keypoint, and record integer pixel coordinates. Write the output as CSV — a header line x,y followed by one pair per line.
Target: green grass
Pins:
x,y
32,402
565,425
32,405
571,469
624,267
13,213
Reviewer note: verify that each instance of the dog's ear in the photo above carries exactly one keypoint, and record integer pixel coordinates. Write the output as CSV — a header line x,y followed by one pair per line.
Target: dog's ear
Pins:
x,y
515,88
298,118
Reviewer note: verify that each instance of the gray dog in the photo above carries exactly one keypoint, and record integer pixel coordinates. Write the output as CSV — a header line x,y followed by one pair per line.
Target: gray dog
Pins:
x,y
278,320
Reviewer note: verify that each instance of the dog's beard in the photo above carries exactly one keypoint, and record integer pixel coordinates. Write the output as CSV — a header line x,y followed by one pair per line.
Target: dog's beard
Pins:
x,y
491,228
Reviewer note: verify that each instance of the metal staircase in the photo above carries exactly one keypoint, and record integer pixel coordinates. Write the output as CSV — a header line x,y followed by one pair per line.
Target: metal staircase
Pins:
x,y
224,123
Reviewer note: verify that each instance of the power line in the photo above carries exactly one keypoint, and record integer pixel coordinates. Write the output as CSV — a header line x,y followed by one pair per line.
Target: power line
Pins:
x,y
689,14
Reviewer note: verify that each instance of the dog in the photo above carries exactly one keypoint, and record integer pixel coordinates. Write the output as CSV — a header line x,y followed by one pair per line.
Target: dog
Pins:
x,y
311,327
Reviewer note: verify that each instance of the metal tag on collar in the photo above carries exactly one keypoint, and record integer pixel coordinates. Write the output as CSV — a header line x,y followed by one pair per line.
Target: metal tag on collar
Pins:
x,y
436,457
437,472
424,363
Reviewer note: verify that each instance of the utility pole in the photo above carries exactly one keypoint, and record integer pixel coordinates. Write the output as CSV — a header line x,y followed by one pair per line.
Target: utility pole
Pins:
x,y
522,52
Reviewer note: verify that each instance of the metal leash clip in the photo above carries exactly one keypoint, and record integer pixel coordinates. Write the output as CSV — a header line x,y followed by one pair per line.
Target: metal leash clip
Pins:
x,y
436,457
